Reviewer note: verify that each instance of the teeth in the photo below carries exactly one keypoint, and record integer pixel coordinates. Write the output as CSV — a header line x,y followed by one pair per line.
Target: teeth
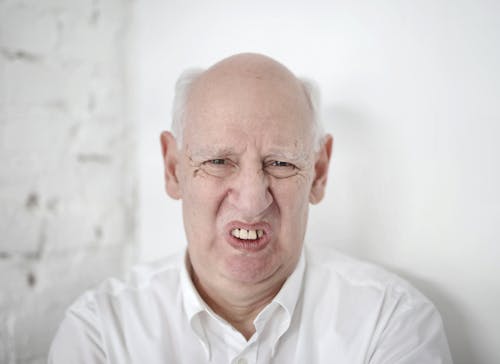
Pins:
x,y
247,234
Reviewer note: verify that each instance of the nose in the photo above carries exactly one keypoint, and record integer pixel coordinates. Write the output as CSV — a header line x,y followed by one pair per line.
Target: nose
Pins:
x,y
250,194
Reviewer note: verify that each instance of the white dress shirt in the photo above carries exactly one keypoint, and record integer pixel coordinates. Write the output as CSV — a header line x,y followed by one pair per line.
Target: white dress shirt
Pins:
x,y
332,309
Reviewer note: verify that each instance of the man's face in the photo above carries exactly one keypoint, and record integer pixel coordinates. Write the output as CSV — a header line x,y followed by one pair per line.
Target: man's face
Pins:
x,y
245,173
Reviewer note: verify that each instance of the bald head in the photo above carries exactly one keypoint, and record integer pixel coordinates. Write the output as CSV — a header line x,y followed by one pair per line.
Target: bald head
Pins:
x,y
262,82
250,66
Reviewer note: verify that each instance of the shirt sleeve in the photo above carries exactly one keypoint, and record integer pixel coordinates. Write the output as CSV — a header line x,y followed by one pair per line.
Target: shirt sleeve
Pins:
x,y
78,339
414,334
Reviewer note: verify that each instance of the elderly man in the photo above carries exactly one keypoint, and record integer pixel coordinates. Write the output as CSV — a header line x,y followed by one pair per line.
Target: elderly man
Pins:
x,y
247,156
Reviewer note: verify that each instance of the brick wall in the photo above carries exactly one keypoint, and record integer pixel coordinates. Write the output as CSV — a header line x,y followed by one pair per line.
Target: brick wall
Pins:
x,y
68,174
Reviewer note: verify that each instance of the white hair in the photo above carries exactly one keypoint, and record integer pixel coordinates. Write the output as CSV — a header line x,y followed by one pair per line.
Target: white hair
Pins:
x,y
313,96
189,76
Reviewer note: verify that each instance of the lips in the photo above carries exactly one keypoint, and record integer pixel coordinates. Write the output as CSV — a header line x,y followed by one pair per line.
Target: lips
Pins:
x,y
248,237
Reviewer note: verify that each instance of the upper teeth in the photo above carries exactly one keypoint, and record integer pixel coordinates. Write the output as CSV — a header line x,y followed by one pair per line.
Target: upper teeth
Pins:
x,y
247,234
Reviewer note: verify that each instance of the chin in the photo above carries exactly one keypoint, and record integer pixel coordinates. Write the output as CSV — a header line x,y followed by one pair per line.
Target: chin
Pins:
x,y
247,270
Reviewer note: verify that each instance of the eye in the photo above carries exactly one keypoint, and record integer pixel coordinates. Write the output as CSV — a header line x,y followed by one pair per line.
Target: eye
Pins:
x,y
216,161
218,167
281,164
281,169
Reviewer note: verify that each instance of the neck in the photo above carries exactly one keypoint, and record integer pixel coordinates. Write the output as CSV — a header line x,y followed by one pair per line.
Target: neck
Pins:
x,y
237,306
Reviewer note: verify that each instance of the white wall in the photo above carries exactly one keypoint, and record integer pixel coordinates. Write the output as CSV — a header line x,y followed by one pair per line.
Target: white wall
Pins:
x,y
67,163
411,93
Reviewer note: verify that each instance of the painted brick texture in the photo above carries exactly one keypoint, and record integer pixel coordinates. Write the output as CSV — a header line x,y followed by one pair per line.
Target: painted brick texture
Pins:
x,y
67,156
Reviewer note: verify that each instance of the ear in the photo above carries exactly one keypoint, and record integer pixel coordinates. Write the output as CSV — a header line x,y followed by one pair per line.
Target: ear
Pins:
x,y
321,170
170,156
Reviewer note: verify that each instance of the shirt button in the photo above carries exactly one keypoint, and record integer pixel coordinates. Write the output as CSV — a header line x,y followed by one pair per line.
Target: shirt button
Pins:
x,y
241,361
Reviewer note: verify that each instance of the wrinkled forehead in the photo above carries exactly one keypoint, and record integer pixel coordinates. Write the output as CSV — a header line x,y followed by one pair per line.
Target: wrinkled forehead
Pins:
x,y
273,105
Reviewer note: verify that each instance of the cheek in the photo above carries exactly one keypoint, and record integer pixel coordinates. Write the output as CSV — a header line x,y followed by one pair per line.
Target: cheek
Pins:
x,y
293,203
199,209
292,194
201,197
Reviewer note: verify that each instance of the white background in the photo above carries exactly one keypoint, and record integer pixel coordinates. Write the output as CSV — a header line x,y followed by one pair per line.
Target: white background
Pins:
x,y
411,93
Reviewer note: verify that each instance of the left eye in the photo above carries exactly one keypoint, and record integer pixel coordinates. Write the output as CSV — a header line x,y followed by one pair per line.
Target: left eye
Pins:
x,y
280,169
280,164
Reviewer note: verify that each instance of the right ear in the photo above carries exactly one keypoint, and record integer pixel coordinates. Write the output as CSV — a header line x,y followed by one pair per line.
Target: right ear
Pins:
x,y
170,156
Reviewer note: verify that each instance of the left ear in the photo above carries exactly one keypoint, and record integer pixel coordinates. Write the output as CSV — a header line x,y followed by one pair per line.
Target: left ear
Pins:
x,y
321,170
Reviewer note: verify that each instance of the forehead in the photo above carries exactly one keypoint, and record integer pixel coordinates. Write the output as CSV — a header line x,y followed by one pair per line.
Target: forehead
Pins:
x,y
273,110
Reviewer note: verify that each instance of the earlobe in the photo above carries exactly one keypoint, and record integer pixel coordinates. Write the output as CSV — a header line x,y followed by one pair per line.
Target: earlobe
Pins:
x,y
170,156
321,170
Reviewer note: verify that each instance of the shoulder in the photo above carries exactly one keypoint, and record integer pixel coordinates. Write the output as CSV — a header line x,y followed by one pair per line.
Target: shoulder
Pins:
x,y
107,309
143,279
383,313
145,286
347,273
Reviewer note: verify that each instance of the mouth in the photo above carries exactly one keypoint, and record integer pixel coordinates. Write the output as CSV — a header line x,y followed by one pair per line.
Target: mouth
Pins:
x,y
248,237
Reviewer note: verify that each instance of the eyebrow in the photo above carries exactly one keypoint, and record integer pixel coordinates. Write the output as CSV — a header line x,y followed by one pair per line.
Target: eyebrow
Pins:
x,y
223,151
288,155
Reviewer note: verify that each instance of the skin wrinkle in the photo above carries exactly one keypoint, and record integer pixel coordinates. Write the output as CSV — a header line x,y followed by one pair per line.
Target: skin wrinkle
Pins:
x,y
248,121
203,154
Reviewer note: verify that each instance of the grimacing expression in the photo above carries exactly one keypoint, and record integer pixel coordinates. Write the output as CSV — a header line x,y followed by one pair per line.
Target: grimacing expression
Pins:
x,y
246,173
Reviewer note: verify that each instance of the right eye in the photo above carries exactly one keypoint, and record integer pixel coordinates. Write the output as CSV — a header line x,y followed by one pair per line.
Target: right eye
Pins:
x,y
218,167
